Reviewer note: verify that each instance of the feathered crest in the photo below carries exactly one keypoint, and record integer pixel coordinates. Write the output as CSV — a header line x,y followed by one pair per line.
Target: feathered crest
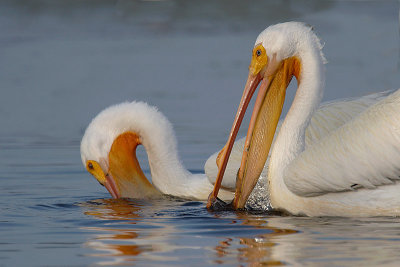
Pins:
x,y
320,45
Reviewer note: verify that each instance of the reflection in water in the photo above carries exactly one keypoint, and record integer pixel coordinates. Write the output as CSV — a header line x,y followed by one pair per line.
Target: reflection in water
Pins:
x,y
261,250
173,232
117,240
321,241
258,250
129,231
125,233
109,209
112,209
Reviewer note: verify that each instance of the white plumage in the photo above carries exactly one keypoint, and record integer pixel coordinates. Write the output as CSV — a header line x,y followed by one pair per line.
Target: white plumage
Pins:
x,y
157,136
363,152
370,158
341,158
327,118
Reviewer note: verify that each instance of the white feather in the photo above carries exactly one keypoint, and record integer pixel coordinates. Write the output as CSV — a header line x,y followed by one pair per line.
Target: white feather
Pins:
x,y
363,152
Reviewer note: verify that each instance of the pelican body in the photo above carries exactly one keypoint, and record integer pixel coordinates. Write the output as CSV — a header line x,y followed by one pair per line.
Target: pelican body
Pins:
x,y
353,170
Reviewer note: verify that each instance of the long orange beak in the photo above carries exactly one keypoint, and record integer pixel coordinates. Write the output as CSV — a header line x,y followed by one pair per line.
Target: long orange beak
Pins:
x,y
263,123
250,87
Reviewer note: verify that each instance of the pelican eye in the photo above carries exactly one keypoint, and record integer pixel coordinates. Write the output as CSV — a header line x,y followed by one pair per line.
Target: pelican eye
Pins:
x,y
90,166
259,59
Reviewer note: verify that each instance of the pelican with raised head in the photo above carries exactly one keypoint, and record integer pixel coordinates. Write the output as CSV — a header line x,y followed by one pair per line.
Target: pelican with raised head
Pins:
x,y
351,171
108,151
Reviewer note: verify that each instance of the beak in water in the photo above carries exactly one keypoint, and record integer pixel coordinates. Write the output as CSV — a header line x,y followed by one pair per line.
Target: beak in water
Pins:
x,y
124,177
273,77
112,187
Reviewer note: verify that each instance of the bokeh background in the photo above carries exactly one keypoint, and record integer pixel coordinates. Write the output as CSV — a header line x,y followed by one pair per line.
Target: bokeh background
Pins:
x,y
61,62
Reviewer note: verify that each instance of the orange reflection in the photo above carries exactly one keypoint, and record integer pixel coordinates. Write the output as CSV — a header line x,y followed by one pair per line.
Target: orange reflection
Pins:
x,y
113,209
110,209
120,240
115,243
259,250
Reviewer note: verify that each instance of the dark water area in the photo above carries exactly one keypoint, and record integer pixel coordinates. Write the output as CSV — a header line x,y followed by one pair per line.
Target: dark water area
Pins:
x,y
61,62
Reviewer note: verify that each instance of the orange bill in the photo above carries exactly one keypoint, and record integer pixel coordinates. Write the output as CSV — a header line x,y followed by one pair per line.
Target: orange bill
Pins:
x,y
274,78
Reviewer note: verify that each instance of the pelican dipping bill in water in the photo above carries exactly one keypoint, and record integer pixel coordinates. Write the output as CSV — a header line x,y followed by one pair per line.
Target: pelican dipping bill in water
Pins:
x,y
351,171
108,151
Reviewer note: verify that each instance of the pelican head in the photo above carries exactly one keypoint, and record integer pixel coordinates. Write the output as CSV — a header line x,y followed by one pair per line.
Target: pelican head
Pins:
x,y
108,147
277,56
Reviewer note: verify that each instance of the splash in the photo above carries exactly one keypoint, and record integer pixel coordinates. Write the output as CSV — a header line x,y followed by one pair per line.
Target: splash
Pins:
x,y
259,198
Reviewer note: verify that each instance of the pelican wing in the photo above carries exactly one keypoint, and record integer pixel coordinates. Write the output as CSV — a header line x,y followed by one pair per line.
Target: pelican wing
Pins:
x,y
211,168
329,117
364,152
332,115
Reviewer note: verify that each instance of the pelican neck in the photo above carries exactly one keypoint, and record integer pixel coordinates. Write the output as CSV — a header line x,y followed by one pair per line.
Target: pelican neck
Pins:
x,y
290,141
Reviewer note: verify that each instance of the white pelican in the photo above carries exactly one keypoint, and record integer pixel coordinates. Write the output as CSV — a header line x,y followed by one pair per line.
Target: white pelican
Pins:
x,y
351,171
109,144
108,151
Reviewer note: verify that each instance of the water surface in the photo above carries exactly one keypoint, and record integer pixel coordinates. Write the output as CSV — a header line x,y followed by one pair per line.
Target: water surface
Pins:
x,y
61,62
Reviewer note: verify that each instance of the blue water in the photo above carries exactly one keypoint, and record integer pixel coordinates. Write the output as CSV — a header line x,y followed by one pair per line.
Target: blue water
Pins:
x,y
61,62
